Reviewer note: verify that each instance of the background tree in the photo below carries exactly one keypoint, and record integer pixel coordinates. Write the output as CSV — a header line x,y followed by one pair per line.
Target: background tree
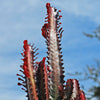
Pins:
x,y
94,34
93,72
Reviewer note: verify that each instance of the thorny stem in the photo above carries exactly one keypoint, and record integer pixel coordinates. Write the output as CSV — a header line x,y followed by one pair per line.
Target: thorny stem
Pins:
x,y
46,82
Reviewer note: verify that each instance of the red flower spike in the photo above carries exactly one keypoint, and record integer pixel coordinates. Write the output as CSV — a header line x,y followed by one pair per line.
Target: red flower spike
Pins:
x,y
23,89
59,10
26,71
17,74
82,95
20,75
25,52
44,30
46,17
19,84
60,16
48,82
48,5
25,44
42,81
50,33
20,79
22,54
25,63
24,59
72,90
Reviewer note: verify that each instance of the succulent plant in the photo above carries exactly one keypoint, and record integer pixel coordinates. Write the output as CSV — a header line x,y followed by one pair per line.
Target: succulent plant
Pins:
x,y
46,81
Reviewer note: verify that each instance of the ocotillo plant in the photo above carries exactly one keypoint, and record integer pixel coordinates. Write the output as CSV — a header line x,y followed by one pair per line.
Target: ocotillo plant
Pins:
x,y
46,81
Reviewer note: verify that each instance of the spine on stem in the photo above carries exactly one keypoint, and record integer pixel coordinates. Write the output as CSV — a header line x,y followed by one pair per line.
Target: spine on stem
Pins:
x,y
53,33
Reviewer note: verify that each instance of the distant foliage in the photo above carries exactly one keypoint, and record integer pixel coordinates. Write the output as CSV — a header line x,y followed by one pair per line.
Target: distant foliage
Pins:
x,y
94,71
95,33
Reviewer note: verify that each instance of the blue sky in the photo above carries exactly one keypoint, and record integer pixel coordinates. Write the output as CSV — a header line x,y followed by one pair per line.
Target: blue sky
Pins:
x,y
23,19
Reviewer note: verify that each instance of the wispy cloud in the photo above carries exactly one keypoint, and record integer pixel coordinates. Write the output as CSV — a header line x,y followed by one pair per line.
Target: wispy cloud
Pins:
x,y
19,20
18,5
84,8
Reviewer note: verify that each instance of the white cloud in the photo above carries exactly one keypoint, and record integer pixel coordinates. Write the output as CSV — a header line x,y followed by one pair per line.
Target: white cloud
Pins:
x,y
87,8
17,5
19,20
